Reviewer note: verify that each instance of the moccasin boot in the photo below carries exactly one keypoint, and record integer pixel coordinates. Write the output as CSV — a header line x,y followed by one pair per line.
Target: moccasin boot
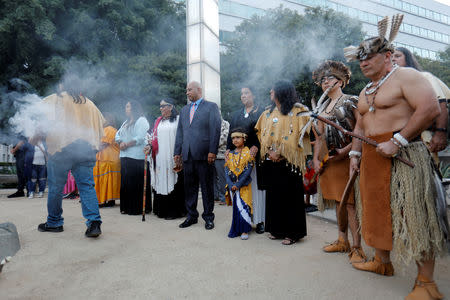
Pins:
x,y
424,289
357,255
338,246
376,266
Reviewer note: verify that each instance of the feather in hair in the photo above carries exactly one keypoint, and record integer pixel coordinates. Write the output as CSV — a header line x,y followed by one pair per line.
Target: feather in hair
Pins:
x,y
383,26
395,26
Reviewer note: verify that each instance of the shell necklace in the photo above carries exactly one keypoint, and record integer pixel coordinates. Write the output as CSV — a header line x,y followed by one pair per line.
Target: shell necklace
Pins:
x,y
374,90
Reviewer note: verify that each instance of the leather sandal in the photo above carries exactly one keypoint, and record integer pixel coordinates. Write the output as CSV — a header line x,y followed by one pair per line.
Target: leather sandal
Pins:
x,y
375,265
357,255
287,241
340,245
424,289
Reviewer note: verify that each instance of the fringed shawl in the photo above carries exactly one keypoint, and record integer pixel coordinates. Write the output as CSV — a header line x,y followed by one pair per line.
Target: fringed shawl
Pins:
x,y
281,133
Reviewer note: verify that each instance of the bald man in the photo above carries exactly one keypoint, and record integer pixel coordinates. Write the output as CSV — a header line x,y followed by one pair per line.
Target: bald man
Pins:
x,y
196,147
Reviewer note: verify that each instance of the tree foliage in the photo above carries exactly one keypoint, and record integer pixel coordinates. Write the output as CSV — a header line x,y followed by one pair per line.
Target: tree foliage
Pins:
x,y
135,49
440,68
285,44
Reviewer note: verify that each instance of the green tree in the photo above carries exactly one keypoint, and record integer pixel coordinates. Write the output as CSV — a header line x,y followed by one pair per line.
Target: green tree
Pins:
x,y
285,44
439,68
132,49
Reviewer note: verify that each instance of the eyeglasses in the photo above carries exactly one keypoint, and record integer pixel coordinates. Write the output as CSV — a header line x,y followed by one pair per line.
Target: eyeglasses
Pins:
x,y
327,78
164,105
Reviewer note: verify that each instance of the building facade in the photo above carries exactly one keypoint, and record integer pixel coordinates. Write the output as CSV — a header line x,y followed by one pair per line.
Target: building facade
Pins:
x,y
5,153
425,29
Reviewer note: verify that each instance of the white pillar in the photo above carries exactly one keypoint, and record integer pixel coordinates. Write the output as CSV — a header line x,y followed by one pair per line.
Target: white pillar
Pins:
x,y
202,38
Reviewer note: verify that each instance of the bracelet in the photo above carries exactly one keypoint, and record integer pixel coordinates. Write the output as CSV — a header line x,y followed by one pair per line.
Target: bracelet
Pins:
x,y
354,153
442,100
396,143
441,129
404,142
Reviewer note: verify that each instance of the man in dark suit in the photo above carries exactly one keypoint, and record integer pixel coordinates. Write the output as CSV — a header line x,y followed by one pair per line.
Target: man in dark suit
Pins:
x,y
196,146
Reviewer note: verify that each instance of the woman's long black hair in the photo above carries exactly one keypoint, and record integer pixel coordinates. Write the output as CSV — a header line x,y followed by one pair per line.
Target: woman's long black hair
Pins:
x,y
410,60
286,94
174,113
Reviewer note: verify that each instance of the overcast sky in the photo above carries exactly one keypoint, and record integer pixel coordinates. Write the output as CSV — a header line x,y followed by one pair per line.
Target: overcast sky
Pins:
x,y
444,1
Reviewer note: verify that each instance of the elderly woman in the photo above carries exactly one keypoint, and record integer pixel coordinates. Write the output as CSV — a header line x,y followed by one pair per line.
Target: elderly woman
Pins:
x,y
331,152
166,178
436,137
131,139
279,131
246,118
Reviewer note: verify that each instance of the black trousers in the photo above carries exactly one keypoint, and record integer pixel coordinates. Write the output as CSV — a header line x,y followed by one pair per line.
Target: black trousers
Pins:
x,y
199,172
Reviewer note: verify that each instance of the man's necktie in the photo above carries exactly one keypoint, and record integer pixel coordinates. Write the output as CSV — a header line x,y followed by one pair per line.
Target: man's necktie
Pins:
x,y
191,114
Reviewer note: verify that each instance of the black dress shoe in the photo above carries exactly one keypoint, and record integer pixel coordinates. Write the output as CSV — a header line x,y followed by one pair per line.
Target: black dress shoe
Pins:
x,y
44,227
188,222
17,194
94,229
259,228
209,225
170,218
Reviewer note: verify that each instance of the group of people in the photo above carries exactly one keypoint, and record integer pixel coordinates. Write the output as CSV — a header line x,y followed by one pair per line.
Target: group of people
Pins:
x,y
385,191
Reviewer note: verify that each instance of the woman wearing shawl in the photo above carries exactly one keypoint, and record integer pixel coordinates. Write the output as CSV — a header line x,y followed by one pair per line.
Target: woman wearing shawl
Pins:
x,y
166,178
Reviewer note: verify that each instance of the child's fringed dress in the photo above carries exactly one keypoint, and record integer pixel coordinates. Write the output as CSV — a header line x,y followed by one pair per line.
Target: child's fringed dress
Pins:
x,y
238,169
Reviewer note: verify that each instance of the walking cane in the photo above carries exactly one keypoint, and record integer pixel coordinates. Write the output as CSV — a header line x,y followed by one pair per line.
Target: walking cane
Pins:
x,y
145,189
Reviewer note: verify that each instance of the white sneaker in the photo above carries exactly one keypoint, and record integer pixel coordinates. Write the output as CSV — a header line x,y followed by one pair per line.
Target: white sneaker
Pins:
x,y
31,195
41,194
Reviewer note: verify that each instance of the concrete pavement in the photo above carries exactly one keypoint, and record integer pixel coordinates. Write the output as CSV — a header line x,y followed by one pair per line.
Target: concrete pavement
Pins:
x,y
157,260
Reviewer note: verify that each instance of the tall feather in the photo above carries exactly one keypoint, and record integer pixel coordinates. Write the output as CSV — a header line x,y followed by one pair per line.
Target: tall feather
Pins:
x,y
395,26
383,26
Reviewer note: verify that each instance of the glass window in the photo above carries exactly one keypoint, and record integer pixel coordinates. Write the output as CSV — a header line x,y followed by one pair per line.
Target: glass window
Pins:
x,y
406,6
373,19
422,12
415,30
425,53
418,51
431,34
423,32
436,16
332,5
398,4
433,55
429,14
407,28
414,9
444,19
445,38
438,36
353,12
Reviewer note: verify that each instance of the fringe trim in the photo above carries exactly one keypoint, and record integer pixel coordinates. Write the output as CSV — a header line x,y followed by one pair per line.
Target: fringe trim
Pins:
x,y
358,204
322,203
417,235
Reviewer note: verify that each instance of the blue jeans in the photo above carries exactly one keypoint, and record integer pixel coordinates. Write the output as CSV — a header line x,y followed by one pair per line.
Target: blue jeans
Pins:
x,y
79,157
38,174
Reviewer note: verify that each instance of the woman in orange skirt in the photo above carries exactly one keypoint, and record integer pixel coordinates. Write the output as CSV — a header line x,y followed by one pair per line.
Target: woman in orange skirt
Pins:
x,y
107,168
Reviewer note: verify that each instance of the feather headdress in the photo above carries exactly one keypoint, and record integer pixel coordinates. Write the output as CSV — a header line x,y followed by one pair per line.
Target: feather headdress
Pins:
x,y
330,67
377,44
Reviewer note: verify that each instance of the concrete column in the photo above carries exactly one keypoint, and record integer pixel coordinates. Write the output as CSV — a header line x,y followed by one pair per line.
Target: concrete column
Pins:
x,y
202,38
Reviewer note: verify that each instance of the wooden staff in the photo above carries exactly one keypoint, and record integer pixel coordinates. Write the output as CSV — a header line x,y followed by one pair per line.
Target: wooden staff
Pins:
x,y
360,137
145,189
342,216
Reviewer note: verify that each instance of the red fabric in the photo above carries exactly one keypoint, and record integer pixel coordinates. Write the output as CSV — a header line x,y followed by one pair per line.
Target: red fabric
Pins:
x,y
309,182
155,138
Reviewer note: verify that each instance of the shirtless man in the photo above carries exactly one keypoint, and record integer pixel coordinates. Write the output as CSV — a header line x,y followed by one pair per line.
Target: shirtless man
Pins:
x,y
396,107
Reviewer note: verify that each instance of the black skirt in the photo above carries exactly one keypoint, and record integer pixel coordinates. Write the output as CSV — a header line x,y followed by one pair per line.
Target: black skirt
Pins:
x,y
171,206
285,206
132,186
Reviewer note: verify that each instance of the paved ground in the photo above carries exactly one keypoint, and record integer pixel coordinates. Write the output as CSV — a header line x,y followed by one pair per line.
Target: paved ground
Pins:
x,y
157,260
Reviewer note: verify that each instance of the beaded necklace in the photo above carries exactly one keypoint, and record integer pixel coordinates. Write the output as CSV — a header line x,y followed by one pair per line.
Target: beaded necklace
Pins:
x,y
374,90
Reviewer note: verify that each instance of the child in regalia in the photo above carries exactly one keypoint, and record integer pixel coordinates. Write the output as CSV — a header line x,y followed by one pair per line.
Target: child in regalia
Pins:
x,y
238,168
